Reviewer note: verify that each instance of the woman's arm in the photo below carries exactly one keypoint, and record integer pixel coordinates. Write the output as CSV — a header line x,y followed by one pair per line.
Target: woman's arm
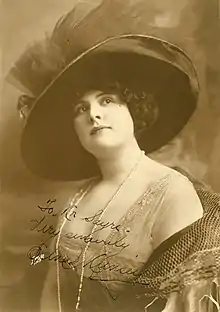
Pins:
x,y
181,207
185,273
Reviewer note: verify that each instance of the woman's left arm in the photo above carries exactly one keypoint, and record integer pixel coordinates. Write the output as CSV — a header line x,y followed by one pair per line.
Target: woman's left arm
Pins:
x,y
181,207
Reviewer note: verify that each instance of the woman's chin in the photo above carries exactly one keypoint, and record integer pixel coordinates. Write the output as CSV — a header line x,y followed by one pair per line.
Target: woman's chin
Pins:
x,y
103,146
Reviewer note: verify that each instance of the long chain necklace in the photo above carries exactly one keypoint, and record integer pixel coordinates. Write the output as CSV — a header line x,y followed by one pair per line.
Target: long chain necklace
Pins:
x,y
74,202
93,230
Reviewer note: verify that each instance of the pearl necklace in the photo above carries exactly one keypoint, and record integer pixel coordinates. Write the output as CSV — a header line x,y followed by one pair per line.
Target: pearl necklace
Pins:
x,y
74,203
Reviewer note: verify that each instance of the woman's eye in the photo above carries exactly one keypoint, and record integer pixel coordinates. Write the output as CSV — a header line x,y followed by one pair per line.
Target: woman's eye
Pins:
x,y
108,100
80,109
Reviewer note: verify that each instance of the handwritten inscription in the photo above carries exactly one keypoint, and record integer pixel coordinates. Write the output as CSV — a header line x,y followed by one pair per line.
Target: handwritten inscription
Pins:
x,y
36,252
96,264
48,208
101,225
101,263
43,227
67,212
89,238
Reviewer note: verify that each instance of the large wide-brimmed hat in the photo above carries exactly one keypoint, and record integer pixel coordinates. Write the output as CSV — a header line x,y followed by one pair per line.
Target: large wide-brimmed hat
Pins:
x,y
79,57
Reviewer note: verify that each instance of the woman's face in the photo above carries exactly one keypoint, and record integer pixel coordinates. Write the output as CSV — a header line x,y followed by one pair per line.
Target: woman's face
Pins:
x,y
102,120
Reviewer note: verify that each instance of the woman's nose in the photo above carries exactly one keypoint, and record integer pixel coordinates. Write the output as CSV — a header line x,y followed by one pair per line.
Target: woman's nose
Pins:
x,y
95,113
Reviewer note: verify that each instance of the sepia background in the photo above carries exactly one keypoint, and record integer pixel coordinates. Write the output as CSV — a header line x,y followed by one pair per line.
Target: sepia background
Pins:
x,y
192,24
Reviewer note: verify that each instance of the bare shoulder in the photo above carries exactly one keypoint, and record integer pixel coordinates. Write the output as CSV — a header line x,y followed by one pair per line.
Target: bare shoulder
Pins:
x,y
156,170
181,195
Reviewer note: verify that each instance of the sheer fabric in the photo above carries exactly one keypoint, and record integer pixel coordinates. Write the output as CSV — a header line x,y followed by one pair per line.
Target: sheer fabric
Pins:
x,y
110,284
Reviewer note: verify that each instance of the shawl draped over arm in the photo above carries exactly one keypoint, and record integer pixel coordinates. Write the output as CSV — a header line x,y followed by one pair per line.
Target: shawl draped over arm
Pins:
x,y
185,268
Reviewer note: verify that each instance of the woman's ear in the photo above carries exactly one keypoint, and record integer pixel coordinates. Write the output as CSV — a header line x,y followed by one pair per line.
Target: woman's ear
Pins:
x,y
24,105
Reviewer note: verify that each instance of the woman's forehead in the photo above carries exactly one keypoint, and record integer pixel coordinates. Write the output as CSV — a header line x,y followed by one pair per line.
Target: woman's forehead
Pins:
x,y
89,92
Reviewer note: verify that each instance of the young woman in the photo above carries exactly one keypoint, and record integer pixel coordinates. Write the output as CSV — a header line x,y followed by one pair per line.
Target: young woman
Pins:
x,y
132,226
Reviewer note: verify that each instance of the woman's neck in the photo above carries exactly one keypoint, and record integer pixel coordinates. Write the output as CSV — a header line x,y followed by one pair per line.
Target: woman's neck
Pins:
x,y
116,165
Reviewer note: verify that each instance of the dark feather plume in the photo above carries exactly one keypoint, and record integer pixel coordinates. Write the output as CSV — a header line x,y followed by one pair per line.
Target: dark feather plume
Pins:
x,y
42,61
83,27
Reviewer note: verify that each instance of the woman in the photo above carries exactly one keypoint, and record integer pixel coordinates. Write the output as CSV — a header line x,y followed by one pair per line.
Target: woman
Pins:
x,y
92,118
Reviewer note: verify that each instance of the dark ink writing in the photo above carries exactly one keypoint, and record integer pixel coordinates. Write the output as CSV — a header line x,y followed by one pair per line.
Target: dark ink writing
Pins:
x,y
101,263
102,225
43,227
98,263
89,238
42,252
48,207
67,212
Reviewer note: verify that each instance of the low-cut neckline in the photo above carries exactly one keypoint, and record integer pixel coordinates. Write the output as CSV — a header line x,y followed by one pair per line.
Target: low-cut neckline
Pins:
x,y
122,220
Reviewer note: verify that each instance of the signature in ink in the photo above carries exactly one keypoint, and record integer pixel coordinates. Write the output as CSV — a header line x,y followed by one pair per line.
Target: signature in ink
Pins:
x,y
102,263
97,264
41,252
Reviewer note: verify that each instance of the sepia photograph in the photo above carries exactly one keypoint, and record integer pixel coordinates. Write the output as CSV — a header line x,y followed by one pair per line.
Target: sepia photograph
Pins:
x,y
110,156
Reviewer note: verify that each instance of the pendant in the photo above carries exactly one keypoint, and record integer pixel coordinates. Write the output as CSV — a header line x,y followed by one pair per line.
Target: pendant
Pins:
x,y
37,259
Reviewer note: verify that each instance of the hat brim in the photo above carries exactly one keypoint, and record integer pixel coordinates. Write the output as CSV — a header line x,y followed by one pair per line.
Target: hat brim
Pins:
x,y
49,144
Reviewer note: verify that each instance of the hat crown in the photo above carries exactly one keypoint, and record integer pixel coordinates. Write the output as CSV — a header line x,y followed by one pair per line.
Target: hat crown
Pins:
x,y
80,30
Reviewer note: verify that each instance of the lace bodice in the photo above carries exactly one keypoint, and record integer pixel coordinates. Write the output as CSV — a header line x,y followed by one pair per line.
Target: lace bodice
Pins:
x,y
128,249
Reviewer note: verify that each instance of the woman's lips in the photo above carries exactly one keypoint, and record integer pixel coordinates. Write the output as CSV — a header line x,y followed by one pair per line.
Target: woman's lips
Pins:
x,y
97,129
